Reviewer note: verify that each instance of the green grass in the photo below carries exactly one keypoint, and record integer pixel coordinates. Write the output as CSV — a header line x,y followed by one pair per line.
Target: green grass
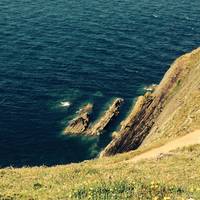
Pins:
x,y
174,177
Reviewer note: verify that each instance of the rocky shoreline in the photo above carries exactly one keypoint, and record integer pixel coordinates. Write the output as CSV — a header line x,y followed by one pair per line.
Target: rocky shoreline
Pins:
x,y
149,111
133,128
153,109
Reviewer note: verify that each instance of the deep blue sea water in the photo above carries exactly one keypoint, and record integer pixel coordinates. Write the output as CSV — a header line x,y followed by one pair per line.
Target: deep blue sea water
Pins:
x,y
79,51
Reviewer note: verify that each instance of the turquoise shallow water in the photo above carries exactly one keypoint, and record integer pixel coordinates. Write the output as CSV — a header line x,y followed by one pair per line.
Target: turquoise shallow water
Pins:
x,y
80,51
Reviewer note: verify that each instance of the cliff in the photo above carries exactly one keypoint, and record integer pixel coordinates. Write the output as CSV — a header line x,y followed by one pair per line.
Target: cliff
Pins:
x,y
171,110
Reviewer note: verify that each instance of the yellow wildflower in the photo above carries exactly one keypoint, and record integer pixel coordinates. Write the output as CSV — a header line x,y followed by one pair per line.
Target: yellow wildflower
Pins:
x,y
152,182
156,186
191,189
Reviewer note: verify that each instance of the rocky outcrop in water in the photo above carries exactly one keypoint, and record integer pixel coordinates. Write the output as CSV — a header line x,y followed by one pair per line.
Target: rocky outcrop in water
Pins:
x,y
106,118
80,124
133,128
171,109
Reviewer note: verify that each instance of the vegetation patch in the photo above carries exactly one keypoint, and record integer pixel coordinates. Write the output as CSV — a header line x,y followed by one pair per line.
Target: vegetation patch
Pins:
x,y
127,190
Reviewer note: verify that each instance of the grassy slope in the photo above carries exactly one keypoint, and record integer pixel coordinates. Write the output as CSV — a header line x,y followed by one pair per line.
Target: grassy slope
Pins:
x,y
174,176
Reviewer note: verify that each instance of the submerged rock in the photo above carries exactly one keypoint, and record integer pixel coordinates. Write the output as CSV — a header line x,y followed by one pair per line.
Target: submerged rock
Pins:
x,y
106,118
81,122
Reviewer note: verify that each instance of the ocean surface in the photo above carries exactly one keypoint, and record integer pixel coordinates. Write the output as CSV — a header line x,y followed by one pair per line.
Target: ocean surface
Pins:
x,y
57,55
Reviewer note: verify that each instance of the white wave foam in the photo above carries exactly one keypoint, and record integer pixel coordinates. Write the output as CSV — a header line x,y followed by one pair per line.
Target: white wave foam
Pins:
x,y
156,16
65,103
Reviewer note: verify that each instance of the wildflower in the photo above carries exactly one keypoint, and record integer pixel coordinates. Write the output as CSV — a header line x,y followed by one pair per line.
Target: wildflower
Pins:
x,y
191,189
152,182
156,186
167,198
155,198
152,186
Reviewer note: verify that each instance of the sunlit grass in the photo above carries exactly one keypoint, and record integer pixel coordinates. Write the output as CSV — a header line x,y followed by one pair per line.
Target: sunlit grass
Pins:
x,y
171,177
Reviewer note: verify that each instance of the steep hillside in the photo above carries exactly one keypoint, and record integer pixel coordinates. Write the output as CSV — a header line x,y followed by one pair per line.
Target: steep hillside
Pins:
x,y
174,176
181,113
173,109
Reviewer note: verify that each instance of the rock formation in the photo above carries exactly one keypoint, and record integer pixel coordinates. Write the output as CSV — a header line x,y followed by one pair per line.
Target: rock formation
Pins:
x,y
172,109
106,118
80,124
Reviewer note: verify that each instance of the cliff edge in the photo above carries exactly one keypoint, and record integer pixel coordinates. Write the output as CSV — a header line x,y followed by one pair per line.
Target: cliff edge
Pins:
x,y
171,110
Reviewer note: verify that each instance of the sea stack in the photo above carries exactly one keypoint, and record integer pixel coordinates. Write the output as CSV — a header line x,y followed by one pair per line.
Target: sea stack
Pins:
x,y
106,118
81,122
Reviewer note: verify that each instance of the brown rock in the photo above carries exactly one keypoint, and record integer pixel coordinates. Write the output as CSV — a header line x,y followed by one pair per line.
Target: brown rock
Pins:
x,y
81,122
106,118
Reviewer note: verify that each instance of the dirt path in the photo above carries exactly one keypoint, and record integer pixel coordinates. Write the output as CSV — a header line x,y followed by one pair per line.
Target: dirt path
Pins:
x,y
187,140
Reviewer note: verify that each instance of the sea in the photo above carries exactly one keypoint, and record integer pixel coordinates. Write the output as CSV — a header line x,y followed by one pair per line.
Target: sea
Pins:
x,y
58,55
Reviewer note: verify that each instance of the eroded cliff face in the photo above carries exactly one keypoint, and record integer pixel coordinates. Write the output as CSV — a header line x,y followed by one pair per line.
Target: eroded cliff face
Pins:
x,y
172,109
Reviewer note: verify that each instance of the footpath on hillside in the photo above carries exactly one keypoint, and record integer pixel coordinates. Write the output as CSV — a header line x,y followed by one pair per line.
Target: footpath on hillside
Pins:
x,y
187,140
